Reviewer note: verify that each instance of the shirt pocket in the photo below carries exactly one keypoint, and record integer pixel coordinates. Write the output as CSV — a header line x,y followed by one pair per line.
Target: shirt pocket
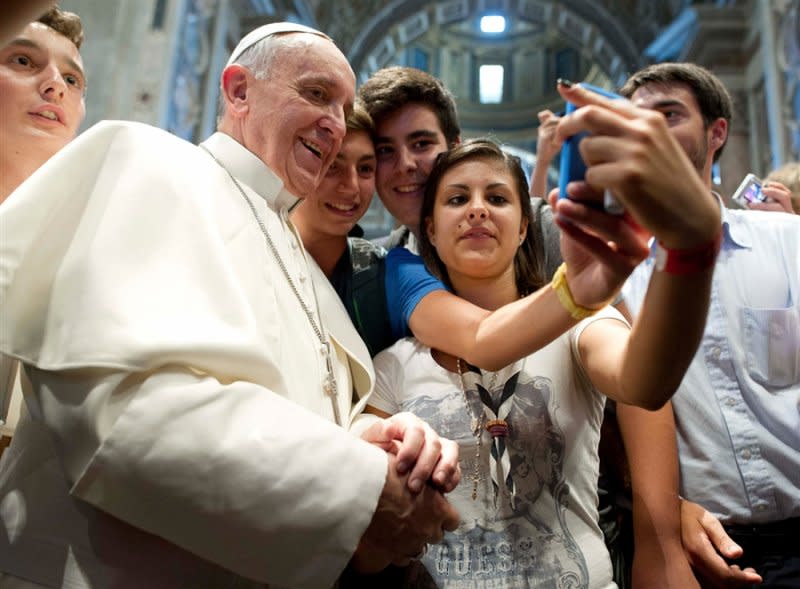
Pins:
x,y
772,345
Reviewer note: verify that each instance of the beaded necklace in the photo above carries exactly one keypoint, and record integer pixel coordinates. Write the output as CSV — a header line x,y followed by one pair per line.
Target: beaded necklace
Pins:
x,y
493,419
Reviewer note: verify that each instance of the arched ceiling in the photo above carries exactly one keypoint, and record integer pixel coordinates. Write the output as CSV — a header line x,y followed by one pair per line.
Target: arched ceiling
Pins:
x,y
601,40
360,26
596,40
403,21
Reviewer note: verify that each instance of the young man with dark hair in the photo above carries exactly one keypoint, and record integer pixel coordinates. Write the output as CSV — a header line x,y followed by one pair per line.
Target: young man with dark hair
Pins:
x,y
736,413
415,120
712,100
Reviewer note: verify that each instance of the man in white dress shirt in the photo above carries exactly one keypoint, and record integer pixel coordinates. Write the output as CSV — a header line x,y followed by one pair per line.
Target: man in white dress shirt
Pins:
x,y
192,372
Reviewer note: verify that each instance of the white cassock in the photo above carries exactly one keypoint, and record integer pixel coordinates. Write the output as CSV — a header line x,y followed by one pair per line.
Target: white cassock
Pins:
x,y
179,435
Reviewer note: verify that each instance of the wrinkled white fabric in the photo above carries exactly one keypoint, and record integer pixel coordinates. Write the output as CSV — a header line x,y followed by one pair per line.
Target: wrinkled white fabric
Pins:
x,y
179,433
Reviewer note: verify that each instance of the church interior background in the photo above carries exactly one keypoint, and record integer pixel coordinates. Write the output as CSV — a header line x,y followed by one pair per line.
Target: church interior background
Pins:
x,y
159,61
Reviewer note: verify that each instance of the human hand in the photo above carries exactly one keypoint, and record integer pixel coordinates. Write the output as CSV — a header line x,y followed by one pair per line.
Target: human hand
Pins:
x,y
632,153
705,543
779,198
600,250
403,524
548,143
419,450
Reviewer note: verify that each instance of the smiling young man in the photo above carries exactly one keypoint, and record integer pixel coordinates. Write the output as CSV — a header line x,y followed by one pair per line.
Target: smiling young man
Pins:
x,y
325,219
415,120
192,375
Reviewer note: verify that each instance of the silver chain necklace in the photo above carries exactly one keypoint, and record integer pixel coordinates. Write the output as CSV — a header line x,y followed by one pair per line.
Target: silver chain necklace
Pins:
x,y
330,387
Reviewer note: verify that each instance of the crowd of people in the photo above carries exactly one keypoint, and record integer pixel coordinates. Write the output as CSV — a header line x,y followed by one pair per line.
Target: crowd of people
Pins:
x,y
224,388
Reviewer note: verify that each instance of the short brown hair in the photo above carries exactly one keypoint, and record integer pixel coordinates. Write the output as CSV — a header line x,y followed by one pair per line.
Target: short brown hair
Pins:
x,y
67,23
391,88
359,120
528,265
711,95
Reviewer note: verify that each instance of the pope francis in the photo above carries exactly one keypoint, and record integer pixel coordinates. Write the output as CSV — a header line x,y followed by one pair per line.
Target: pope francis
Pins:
x,y
190,373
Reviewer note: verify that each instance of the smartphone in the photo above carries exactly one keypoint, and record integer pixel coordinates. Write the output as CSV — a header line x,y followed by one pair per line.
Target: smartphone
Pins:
x,y
572,165
749,191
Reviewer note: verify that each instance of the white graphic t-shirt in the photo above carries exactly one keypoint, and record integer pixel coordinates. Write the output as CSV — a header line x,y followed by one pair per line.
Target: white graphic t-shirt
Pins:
x,y
535,525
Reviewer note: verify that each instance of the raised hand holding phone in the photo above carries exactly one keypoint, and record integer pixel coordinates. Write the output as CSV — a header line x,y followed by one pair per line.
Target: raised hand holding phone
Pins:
x,y
572,165
749,191
630,151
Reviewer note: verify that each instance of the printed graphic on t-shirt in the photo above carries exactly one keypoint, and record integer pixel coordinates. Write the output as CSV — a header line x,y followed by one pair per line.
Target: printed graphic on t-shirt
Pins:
x,y
497,545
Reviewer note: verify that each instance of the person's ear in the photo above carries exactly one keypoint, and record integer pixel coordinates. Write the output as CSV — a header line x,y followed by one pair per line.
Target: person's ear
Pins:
x,y
457,141
235,86
718,134
429,229
523,230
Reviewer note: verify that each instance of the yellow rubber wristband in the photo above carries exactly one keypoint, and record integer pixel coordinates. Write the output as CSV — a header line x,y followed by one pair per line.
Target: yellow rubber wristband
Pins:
x,y
564,295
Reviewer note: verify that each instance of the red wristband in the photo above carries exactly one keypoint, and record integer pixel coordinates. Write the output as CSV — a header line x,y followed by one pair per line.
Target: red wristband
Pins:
x,y
689,260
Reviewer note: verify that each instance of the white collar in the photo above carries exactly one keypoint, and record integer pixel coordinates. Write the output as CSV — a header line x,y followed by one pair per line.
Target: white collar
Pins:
x,y
249,169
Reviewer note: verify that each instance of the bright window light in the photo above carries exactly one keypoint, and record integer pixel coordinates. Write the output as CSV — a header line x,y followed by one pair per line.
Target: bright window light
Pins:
x,y
493,23
491,84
